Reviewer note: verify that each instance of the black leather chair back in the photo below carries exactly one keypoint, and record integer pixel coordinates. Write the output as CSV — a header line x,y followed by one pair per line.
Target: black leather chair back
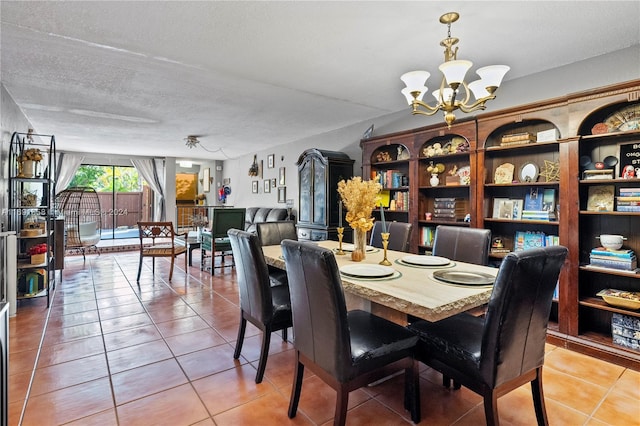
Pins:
x,y
319,306
518,313
463,244
399,235
272,233
253,275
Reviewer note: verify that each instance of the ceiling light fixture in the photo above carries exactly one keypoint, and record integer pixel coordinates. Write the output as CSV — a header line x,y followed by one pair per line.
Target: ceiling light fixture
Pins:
x,y
454,71
191,141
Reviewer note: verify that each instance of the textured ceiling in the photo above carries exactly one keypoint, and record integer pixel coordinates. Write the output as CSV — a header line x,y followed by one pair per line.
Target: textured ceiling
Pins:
x,y
138,77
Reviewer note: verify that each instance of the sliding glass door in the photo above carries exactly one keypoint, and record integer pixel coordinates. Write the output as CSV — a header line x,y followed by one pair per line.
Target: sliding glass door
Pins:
x,y
124,199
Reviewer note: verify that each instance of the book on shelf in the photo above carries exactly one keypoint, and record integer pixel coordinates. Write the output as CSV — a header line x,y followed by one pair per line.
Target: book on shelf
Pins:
x,y
602,251
628,209
529,239
630,192
448,203
605,269
549,199
533,200
614,263
538,215
524,137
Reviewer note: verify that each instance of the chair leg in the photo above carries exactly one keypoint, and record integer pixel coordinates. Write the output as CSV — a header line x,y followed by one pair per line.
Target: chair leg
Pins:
x,y
538,399
264,354
241,329
342,401
139,269
284,334
446,381
491,408
296,389
171,268
412,391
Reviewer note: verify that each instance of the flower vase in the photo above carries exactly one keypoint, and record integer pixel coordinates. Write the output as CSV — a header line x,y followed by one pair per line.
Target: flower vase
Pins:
x,y
359,245
27,168
434,181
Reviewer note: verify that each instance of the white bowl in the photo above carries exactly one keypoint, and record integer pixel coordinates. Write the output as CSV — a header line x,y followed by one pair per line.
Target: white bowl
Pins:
x,y
613,242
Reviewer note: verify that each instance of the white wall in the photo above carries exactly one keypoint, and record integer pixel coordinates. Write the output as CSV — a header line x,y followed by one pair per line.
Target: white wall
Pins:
x,y
615,67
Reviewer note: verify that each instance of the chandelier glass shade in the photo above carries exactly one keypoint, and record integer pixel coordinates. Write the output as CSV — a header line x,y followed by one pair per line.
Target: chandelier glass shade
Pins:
x,y
454,93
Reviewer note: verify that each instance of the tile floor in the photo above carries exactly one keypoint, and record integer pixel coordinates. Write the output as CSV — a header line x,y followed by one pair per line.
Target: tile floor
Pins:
x,y
115,353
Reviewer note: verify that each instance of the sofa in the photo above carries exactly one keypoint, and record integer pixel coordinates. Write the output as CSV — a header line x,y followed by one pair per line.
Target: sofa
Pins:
x,y
255,215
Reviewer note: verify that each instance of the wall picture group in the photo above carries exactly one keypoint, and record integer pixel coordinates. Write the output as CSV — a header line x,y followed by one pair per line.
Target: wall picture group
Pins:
x,y
277,184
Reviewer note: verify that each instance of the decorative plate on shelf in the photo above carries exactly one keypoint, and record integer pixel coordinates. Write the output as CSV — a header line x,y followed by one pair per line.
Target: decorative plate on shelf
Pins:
x,y
627,118
620,298
464,173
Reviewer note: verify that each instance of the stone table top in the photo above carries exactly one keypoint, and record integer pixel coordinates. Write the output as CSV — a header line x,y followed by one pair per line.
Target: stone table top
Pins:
x,y
412,290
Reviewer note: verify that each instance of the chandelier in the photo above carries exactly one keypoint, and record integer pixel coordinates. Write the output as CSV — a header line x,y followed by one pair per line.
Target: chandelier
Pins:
x,y
448,97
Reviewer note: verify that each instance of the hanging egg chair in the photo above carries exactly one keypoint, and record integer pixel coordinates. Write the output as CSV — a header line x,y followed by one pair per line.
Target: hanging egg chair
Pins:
x,y
81,209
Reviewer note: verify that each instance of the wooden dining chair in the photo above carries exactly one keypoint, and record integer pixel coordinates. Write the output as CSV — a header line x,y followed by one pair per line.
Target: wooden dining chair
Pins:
x,y
347,350
399,235
266,307
272,233
163,244
501,352
470,245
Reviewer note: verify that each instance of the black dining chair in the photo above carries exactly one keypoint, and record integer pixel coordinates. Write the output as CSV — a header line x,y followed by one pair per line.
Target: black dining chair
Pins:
x,y
266,307
499,353
347,350
399,235
272,233
470,245
216,239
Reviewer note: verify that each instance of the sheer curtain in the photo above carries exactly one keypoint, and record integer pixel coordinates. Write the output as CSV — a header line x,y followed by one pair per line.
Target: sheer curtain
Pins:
x,y
67,165
152,170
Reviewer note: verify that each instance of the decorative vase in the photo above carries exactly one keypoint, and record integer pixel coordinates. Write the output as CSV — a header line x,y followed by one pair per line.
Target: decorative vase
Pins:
x,y
27,168
359,245
434,181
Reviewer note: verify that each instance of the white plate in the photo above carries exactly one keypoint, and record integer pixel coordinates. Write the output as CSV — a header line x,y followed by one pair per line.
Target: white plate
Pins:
x,y
350,247
367,271
426,260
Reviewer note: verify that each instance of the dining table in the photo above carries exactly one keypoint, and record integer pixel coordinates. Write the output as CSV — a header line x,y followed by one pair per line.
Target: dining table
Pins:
x,y
427,287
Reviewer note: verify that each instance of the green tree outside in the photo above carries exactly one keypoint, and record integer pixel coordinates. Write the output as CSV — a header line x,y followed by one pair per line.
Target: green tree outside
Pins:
x,y
107,178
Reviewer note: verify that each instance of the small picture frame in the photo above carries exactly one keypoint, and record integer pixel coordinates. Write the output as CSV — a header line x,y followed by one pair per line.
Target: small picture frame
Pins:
x,y
282,194
281,177
274,182
267,185
271,159
254,186
206,180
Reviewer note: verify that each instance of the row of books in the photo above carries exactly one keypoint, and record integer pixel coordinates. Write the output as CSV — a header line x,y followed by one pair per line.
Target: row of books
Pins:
x,y
449,208
426,235
529,239
391,178
629,200
400,202
622,260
